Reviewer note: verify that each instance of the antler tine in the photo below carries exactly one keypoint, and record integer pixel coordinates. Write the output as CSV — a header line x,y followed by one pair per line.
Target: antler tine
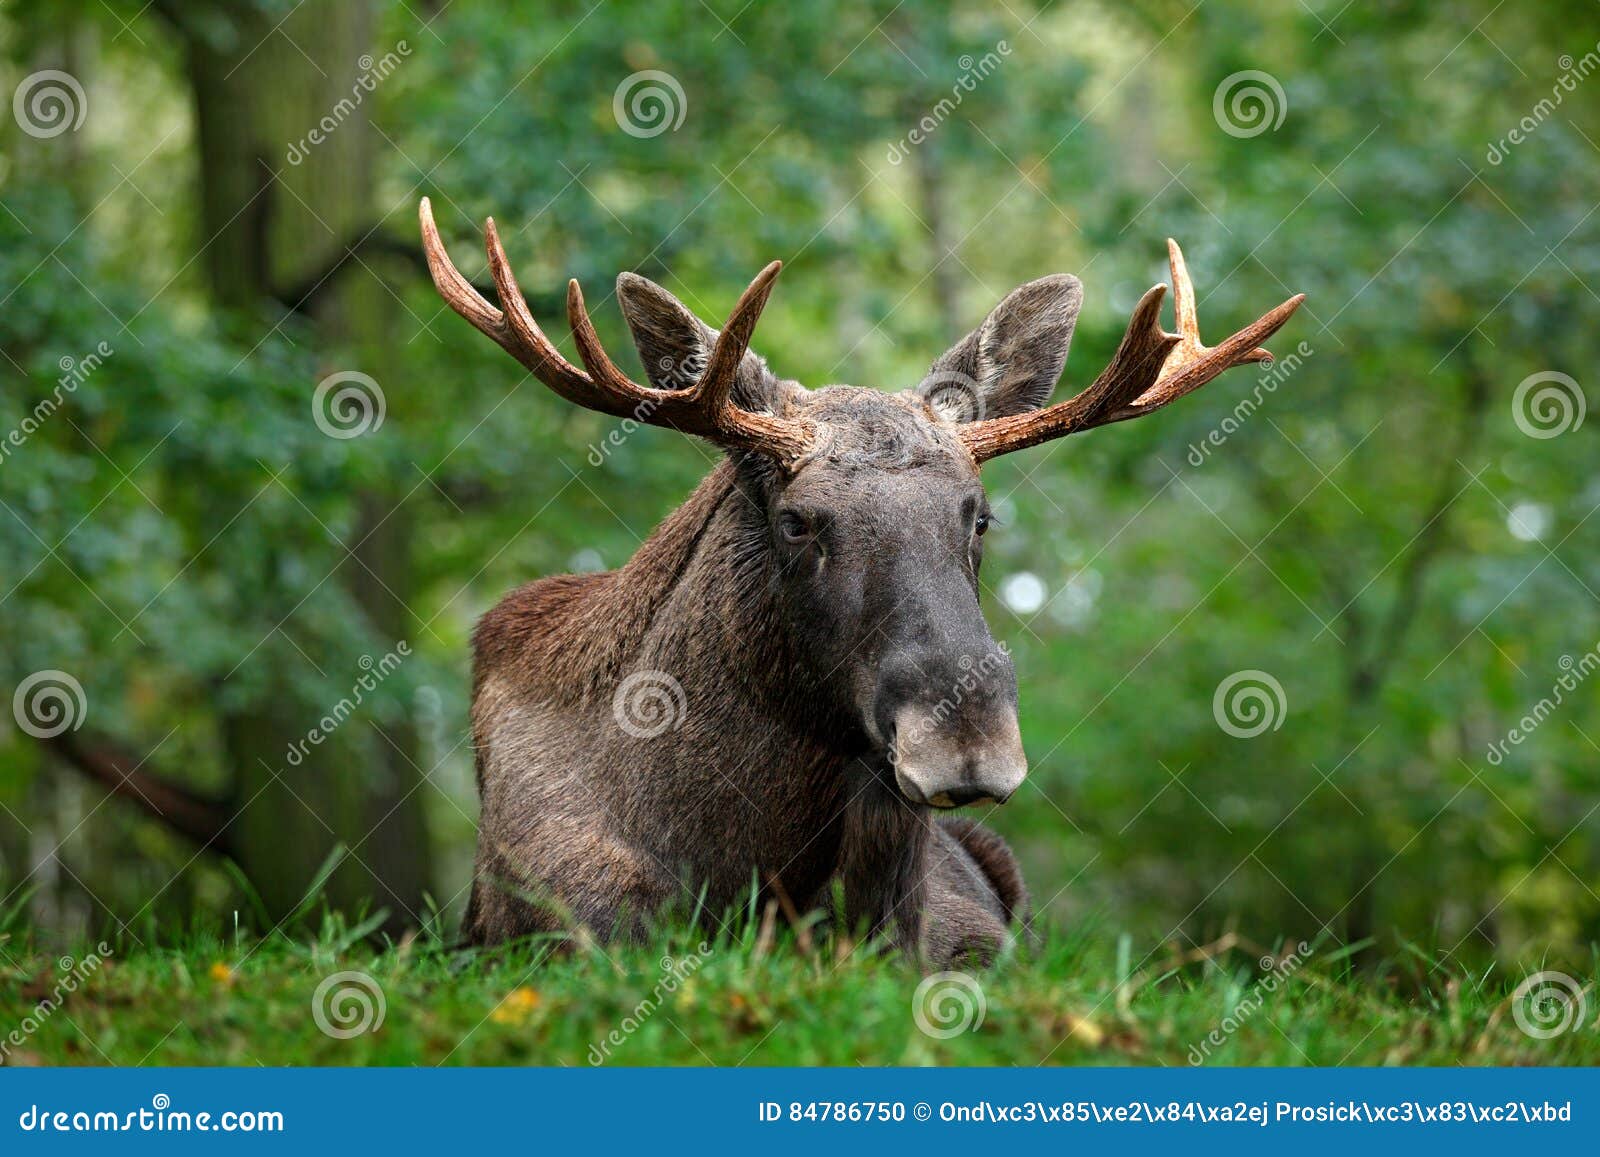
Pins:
x,y
513,328
595,359
1151,368
1184,307
705,409
1183,310
1140,355
456,290
715,386
529,344
1196,364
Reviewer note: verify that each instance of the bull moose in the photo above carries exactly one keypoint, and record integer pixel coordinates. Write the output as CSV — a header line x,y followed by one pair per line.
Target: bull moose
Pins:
x,y
793,673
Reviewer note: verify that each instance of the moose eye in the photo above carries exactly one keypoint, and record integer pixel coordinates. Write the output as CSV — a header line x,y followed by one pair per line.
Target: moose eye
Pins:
x,y
793,528
981,525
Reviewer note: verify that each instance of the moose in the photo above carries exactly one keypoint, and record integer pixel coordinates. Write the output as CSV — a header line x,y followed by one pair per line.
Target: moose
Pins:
x,y
792,675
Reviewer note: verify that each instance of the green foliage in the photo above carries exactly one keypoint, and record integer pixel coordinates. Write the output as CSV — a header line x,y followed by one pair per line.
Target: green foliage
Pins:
x,y
1376,531
723,1000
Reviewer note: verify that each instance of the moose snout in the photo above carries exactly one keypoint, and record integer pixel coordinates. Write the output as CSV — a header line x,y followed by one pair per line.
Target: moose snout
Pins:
x,y
980,762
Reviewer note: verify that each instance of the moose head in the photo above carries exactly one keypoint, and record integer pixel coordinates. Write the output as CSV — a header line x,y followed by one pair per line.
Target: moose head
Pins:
x,y
872,503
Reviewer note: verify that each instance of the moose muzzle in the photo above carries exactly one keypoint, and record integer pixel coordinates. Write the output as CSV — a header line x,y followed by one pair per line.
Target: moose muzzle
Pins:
x,y
977,761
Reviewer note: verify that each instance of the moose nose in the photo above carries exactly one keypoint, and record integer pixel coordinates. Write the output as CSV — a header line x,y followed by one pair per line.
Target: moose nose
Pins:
x,y
962,796
947,768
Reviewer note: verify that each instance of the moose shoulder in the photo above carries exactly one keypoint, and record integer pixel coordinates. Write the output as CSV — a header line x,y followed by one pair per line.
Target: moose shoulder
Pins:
x,y
792,676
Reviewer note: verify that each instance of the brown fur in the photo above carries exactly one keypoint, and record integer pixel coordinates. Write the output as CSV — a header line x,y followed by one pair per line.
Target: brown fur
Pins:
x,y
803,664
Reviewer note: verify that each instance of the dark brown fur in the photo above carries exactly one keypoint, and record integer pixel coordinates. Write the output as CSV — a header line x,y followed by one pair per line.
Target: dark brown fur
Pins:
x,y
802,664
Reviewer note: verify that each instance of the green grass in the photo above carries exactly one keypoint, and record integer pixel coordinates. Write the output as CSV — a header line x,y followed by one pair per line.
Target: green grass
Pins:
x,y
757,999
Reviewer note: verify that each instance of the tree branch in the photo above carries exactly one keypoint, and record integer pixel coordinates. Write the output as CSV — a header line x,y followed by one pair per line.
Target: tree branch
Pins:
x,y
1331,566
205,821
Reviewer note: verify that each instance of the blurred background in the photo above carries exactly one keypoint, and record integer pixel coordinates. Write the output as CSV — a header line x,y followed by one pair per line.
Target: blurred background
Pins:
x,y
1306,652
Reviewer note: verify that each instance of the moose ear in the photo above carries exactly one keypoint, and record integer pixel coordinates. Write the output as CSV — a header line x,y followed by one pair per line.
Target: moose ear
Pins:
x,y
1010,363
674,345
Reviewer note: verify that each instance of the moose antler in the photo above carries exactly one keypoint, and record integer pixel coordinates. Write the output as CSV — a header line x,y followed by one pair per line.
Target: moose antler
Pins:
x,y
1150,369
704,408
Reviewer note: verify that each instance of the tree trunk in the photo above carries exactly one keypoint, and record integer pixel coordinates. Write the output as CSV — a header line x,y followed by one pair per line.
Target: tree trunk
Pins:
x,y
931,189
278,211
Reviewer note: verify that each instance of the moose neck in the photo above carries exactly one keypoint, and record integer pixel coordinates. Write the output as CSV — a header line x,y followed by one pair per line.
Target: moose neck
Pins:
x,y
696,602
